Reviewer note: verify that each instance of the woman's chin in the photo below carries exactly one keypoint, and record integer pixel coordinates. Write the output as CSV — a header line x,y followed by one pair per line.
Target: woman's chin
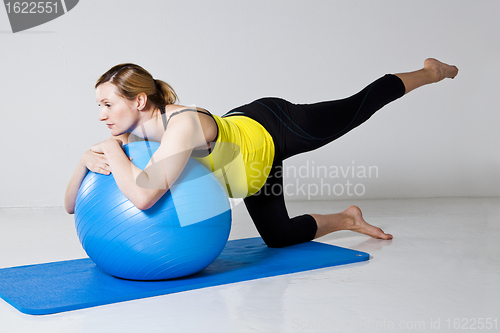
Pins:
x,y
116,132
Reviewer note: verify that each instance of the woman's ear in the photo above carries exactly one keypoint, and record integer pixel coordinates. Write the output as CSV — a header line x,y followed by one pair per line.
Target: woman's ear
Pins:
x,y
142,100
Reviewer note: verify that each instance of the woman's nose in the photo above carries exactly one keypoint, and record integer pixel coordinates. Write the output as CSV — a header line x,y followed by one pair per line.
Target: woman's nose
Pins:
x,y
102,115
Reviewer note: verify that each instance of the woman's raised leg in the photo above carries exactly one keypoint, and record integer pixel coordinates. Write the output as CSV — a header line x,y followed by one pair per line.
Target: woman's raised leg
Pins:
x,y
310,126
352,218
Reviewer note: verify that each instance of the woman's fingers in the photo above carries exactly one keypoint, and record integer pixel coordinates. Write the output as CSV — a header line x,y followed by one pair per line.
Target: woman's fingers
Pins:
x,y
100,168
105,171
96,162
104,166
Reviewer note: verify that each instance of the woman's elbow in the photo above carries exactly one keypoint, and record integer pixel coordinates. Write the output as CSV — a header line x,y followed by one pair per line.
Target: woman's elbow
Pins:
x,y
142,201
143,205
148,199
69,203
70,209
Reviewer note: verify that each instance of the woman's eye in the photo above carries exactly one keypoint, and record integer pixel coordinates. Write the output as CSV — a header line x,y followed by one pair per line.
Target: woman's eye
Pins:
x,y
108,105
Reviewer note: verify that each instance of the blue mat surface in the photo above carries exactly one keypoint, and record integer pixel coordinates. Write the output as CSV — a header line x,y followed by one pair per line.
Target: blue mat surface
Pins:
x,y
77,284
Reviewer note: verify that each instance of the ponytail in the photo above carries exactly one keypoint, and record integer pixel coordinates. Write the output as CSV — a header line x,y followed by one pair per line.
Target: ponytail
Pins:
x,y
165,94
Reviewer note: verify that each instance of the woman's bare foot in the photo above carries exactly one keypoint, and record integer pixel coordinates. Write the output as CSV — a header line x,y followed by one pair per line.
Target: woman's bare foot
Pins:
x,y
440,70
358,224
349,219
433,71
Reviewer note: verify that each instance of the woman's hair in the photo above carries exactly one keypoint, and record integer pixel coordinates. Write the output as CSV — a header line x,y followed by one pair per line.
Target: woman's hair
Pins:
x,y
131,80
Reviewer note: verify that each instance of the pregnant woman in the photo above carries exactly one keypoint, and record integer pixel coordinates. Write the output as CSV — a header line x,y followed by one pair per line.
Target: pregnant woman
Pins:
x,y
245,148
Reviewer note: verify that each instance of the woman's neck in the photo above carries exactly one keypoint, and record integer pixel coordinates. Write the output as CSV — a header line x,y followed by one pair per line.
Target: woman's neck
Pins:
x,y
151,128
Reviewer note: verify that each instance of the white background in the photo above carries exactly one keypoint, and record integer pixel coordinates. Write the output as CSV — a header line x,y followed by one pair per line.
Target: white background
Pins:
x,y
441,140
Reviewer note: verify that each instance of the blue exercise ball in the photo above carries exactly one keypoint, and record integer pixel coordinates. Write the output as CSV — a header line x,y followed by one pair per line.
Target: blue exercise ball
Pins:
x,y
184,232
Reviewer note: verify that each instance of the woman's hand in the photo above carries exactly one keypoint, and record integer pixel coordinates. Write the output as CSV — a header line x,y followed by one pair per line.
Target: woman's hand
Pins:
x,y
96,162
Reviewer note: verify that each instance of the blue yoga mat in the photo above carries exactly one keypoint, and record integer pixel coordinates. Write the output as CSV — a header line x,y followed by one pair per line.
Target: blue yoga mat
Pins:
x,y
77,284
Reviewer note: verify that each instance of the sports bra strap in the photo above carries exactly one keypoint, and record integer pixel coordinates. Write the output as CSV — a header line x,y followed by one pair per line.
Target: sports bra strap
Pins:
x,y
164,116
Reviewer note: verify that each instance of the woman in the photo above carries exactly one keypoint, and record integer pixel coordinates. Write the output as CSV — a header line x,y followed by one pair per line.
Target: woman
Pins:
x,y
245,148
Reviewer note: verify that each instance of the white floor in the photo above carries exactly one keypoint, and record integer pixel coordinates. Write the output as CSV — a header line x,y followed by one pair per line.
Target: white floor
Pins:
x,y
442,270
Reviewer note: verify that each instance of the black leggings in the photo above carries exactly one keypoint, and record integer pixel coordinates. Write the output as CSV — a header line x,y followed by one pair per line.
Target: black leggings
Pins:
x,y
298,128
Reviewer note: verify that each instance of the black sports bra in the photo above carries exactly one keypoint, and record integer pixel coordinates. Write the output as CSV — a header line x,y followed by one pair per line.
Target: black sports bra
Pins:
x,y
195,153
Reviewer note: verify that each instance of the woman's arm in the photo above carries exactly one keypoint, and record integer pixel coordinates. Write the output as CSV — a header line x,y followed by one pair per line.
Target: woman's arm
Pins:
x,y
89,161
95,162
145,188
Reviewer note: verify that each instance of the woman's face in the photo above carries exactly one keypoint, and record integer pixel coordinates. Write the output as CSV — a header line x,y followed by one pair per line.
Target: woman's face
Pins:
x,y
119,114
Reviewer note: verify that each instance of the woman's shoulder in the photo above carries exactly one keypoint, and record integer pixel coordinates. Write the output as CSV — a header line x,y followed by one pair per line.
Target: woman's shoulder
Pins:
x,y
208,124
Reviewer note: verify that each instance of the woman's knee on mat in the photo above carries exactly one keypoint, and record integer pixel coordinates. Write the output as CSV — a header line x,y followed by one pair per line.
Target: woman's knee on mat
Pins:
x,y
297,230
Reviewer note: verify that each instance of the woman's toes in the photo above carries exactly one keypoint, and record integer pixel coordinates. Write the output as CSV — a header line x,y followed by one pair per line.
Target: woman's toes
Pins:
x,y
383,235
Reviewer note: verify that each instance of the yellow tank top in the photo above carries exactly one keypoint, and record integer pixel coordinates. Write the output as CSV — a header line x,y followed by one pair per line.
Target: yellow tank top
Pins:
x,y
242,156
